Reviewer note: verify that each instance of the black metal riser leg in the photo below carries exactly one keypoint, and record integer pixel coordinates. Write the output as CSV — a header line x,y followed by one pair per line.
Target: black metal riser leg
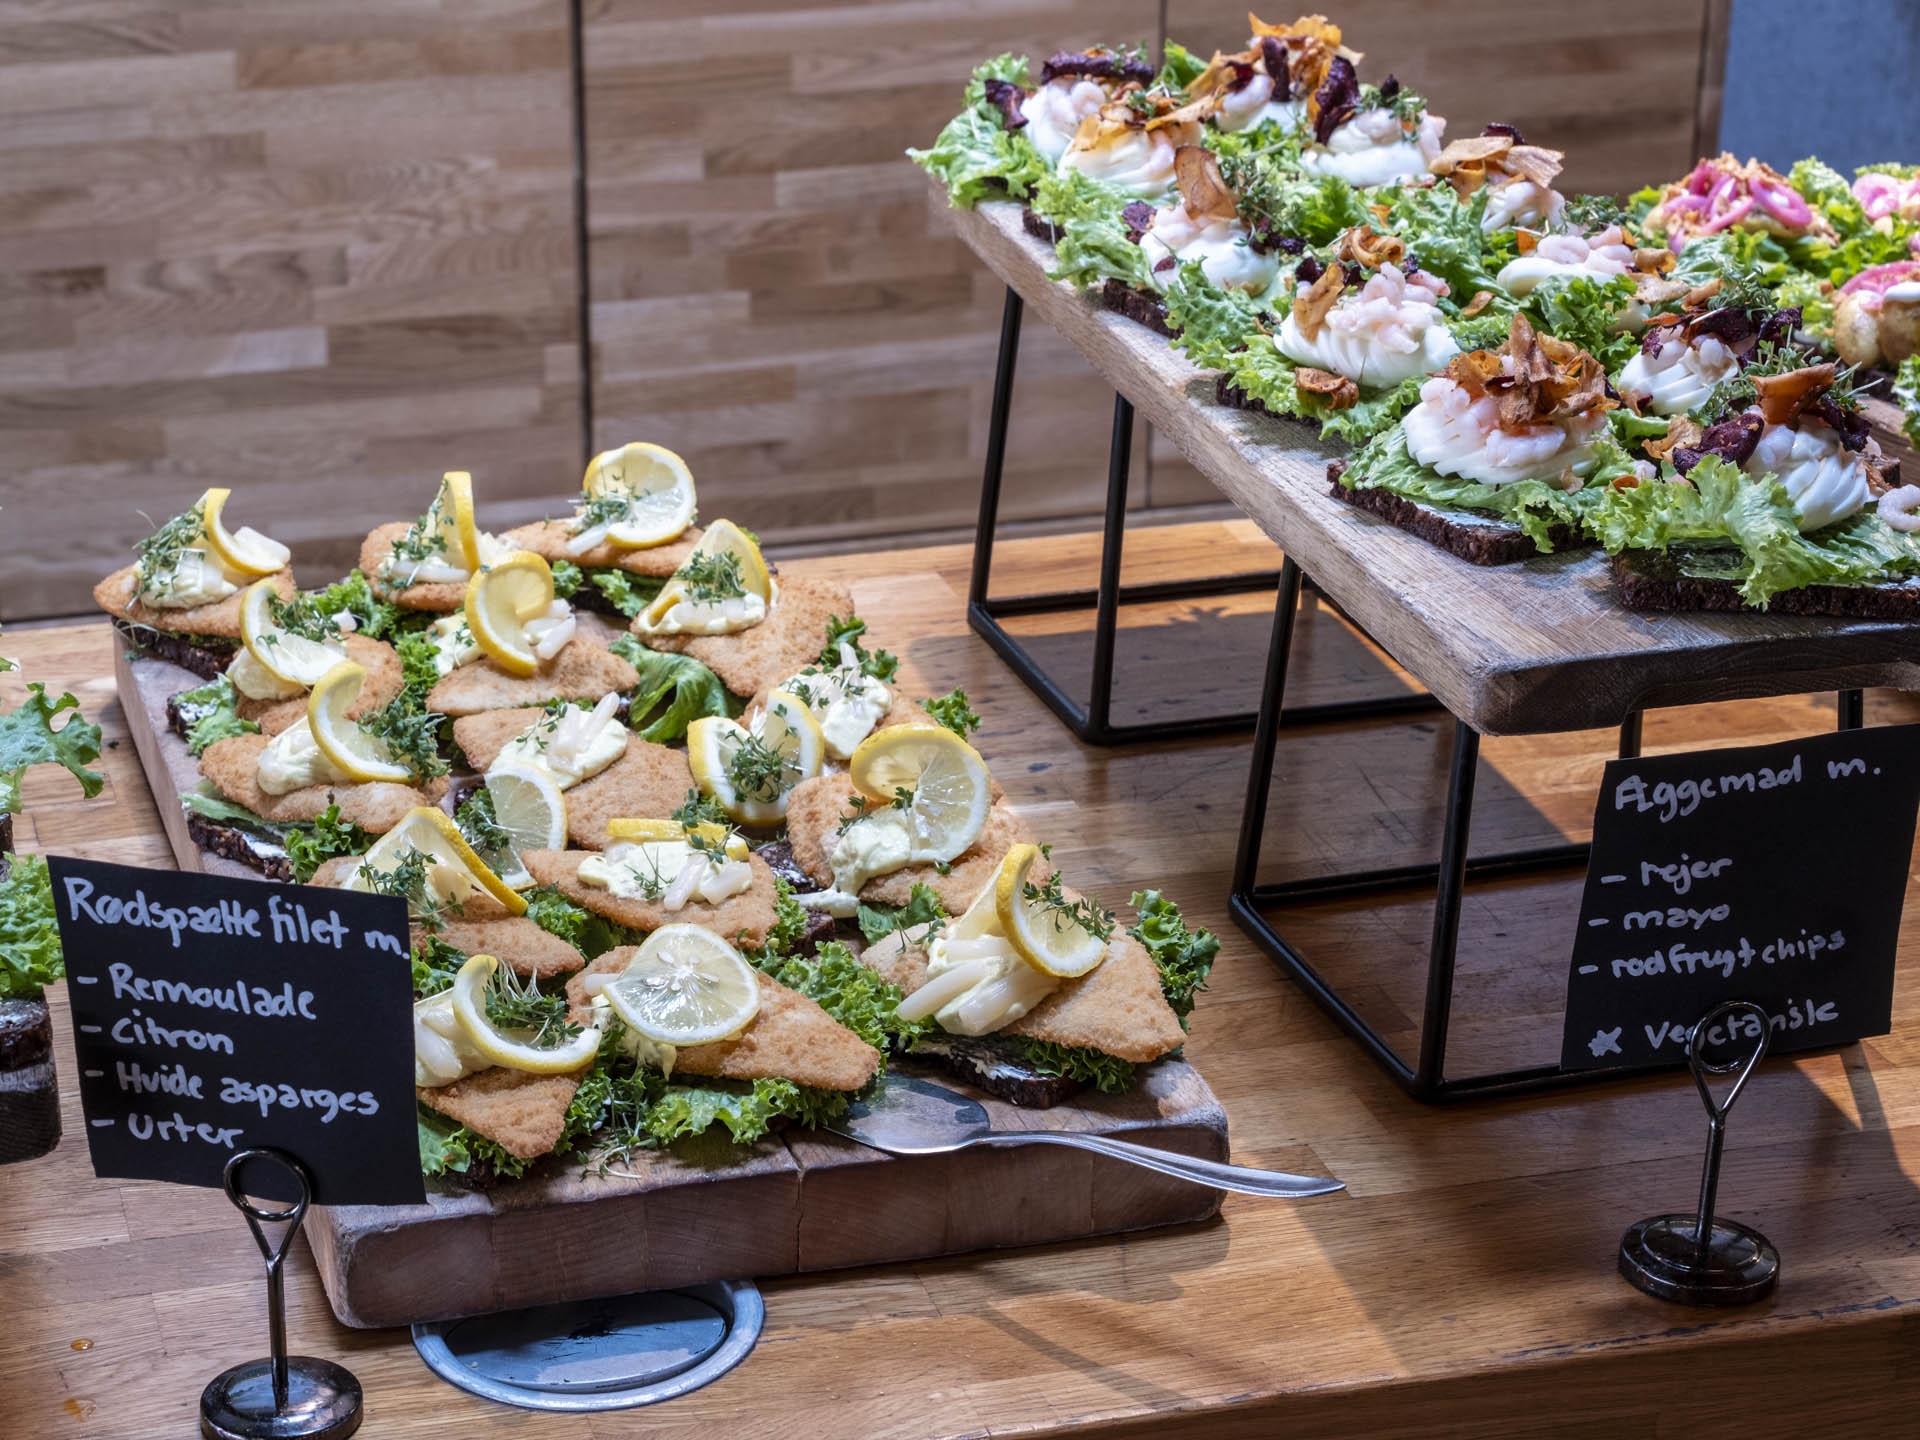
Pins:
x,y
1092,722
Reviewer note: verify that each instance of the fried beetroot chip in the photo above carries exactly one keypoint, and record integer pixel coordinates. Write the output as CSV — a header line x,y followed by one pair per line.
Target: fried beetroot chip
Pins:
x,y
1137,217
1096,65
1273,54
1499,127
1007,97
1336,99
1732,440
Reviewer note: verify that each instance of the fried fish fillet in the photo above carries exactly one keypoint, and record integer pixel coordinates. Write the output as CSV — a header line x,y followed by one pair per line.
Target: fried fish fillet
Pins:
x,y
817,806
514,940
791,1038
548,539
441,597
744,919
1119,1009
523,1114
786,642
584,670
233,766
385,679
117,596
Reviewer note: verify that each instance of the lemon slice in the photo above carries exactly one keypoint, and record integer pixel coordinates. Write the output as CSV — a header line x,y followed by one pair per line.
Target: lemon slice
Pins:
x,y
500,600
660,832
245,550
1046,937
723,537
657,487
289,658
528,805
952,790
456,518
454,871
512,1048
751,772
686,986
348,748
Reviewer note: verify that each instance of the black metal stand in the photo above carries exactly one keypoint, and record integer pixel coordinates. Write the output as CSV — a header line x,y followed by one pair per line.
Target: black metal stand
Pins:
x,y
1700,1259
284,1396
1093,722
1425,1079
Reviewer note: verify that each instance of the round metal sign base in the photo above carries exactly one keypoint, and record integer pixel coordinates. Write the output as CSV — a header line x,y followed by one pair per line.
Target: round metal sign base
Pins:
x,y
323,1400
609,1354
1661,1256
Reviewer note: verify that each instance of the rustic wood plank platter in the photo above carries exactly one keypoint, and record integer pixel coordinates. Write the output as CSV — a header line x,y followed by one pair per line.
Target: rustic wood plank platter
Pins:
x,y
1538,646
713,1211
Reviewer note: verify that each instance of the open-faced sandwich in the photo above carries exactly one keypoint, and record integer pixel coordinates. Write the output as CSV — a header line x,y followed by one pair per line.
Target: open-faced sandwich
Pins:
x,y
425,564
181,599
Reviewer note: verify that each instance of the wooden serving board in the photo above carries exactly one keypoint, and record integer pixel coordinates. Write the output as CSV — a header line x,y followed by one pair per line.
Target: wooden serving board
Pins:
x,y
711,1210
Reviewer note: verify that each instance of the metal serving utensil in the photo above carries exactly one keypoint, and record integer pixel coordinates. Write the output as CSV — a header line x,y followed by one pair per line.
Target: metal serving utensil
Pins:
x,y
906,1115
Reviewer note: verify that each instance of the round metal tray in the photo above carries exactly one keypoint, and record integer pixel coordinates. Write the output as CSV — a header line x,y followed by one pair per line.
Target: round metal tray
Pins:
x,y
610,1354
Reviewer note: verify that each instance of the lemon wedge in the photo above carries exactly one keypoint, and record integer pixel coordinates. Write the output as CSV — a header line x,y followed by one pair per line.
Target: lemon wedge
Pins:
x,y
952,791
713,611
751,772
454,869
349,749
245,551
656,486
289,658
660,832
528,805
516,1049
1052,938
686,986
500,600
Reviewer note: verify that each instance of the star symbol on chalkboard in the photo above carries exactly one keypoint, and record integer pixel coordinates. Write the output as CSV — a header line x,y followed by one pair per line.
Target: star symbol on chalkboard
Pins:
x,y
1605,1042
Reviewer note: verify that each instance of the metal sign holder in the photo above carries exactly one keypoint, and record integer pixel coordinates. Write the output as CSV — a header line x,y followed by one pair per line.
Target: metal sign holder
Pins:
x,y
1700,1258
283,1396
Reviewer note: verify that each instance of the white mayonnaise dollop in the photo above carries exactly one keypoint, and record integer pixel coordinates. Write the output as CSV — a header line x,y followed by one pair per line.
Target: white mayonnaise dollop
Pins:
x,y
1678,376
1826,481
1453,434
1220,245
1387,331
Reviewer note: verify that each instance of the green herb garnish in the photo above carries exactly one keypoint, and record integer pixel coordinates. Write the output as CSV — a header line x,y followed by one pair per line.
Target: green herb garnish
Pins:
x,y
954,711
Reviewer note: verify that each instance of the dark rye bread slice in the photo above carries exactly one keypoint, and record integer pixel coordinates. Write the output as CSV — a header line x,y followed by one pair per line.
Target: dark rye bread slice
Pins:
x,y
205,656
230,843
1143,307
1651,580
1038,228
1477,539
993,1066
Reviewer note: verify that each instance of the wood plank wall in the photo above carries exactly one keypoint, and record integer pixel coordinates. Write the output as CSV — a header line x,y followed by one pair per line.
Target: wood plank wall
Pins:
x,y
321,250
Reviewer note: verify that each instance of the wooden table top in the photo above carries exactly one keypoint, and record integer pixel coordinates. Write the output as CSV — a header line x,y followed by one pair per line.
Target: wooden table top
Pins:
x,y
1512,649
1462,1286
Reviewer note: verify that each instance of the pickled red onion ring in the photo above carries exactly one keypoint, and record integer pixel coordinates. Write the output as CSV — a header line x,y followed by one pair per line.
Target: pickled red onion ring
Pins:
x,y
1732,215
1782,202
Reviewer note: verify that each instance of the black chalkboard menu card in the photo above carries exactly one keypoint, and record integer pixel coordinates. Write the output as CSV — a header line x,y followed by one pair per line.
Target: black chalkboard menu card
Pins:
x,y
211,1015
1770,873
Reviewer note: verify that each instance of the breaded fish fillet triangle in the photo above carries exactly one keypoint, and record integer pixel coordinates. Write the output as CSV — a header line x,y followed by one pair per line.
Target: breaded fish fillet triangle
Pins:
x,y
744,919
1119,1009
385,679
220,618
787,641
791,1038
584,670
818,805
441,597
233,766
483,927
548,539
523,1114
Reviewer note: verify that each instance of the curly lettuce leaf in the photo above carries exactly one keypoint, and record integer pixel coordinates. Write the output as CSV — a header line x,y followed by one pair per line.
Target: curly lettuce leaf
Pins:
x,y
435,965
592,935
626,592
30,954
1108,1074
447,1147
311,843
1724,506
1443,232
1273,189
975,156
746,1109
1582,309
1906,394
1092,246
1179,68
850,992
213,713
567,578
674,691
1184,957
373,617
954,711
1535,506
29,737
790,922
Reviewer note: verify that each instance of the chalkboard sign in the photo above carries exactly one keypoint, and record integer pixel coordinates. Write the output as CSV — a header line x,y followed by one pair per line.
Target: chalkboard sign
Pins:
x,y
211,1015
1771,873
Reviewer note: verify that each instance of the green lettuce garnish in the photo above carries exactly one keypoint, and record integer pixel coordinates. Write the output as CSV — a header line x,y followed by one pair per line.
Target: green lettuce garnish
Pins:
x,y
435,965
1179,68
1582,310
1273,190
1093,246
29,736
1906,394
954,711
1444,233
592,935
626,592
1724,507
217,708
373,617
447,1147
30,954
567,578
312,843
674,691
850,992
1106,1073
1184,957
923,907
975,156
